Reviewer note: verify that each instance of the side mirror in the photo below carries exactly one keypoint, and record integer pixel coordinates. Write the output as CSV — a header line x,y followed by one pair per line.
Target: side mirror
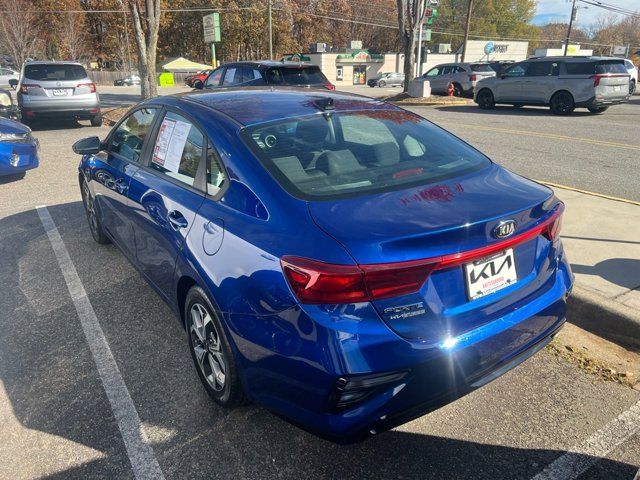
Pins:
x,y
87,146
13,83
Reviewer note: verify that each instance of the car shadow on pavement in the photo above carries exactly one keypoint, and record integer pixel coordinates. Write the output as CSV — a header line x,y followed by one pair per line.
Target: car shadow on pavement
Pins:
x,y
509,110
53,387
57,124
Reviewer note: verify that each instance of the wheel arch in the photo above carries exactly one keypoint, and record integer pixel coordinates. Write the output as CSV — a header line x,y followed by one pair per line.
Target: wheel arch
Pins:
x,y
562,90
185,283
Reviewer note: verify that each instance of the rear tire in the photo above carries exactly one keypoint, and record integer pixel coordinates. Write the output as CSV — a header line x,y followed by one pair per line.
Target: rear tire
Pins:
x,y
485,99
562,103
597,110
211,351
632,87
95,224
96,120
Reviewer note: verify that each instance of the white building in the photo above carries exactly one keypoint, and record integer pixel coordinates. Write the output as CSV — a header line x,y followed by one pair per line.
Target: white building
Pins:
x,y
573,50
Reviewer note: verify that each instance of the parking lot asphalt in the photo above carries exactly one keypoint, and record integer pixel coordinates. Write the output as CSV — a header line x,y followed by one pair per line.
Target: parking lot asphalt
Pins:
x,y
58,422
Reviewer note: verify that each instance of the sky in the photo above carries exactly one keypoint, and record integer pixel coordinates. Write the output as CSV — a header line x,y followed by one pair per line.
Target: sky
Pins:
x,y
551,11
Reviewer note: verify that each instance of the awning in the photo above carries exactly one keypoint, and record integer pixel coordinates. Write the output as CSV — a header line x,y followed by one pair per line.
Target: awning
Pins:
x,y
182,64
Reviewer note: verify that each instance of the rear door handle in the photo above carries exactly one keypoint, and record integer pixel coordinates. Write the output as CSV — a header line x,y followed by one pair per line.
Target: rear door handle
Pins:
x,y
177,220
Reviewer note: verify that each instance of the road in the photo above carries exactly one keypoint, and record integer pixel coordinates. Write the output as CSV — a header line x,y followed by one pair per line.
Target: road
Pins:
x,y
57,421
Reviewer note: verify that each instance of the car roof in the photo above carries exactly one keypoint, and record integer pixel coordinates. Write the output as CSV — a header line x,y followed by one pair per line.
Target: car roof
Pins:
x,y
51,62
575,57
254,105
269,63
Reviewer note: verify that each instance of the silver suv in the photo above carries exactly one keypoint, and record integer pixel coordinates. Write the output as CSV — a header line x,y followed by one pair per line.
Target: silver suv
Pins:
x,y
463,76
562,83
57,89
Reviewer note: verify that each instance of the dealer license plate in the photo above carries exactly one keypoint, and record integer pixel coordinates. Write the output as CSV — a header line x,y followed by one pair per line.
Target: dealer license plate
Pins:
x,y
490,274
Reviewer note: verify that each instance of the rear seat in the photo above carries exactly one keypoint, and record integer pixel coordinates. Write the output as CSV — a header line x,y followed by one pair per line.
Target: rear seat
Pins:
x,y
291,167
338,162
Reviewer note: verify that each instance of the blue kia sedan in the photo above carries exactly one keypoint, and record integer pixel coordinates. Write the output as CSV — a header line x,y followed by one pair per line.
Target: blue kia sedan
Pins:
x,y
341,261
18,148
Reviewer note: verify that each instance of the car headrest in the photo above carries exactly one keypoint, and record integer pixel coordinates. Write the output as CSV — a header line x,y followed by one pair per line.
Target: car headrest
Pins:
x,y
387,153
312,132
338,162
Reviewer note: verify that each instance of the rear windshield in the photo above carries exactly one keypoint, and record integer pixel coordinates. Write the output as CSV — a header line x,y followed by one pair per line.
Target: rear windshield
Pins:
x,y
481,67
611,66
295,76
55,71
320,157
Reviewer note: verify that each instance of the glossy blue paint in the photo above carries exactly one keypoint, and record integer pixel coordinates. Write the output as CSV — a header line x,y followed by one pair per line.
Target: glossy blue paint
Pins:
x,y
292,355
20,154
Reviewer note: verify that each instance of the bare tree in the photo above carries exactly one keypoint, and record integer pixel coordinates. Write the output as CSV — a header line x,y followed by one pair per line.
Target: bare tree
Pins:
x,y
73,38
18,30
409,20
146,43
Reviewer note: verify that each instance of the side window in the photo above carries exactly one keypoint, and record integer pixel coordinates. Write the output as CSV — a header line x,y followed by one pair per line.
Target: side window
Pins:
x,y
516,71
229,77
446,70
433,72
215,173
365,130
543,69
249,74
274,76
128,137
178,149
213,80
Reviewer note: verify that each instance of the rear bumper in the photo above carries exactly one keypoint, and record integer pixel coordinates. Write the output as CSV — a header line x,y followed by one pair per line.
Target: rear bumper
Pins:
x,y
59,107
602,102
296,372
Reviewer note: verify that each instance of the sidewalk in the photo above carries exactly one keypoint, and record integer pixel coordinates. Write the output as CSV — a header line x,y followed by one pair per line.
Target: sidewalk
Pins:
x,y
602,240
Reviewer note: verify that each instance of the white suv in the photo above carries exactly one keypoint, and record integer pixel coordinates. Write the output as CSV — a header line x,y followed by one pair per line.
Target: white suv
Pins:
x,y
633,71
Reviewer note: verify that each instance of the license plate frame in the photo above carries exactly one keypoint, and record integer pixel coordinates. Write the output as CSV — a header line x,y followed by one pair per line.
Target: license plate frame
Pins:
x,y
60,92
490,274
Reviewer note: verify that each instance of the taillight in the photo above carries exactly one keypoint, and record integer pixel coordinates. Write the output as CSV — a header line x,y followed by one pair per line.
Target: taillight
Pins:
x,y
473,77
329,86
92,86
596,80
318,282
24,88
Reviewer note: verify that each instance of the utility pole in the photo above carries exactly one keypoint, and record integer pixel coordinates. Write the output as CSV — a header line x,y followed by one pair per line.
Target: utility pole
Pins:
x,y
420,17
270,30
466,30
574,10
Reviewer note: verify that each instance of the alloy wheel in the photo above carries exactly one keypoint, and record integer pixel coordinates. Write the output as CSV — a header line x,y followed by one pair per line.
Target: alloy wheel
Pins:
x,y
207,347
563,103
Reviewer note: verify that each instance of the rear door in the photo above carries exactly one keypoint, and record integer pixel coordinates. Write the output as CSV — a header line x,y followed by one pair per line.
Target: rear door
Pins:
x,y
114,167
165,195
540,81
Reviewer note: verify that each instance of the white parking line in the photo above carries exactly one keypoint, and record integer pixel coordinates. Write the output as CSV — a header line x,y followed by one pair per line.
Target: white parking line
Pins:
x,y
143,461
584,455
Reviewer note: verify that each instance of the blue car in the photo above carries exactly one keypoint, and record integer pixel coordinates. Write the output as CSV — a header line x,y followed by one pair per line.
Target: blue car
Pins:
x,y
341,261
18,148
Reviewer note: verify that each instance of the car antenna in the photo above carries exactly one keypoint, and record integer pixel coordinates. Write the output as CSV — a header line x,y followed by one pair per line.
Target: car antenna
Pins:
x,y
326,105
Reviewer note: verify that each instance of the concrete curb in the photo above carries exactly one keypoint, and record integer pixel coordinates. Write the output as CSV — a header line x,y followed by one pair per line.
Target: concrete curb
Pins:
x,y
429,104
604,317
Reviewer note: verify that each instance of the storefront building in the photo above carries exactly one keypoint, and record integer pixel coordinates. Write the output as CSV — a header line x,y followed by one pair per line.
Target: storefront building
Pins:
x,y
351,67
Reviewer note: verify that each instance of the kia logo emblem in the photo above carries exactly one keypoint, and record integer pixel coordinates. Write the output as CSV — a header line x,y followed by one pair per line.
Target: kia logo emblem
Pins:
x,y
504,229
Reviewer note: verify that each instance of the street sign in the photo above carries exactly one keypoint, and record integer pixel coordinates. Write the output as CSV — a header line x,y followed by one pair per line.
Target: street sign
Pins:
x,y
430,14
426,34
619,50
211,25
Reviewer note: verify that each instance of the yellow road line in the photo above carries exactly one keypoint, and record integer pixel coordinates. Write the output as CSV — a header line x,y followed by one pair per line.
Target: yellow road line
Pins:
x,y
547,135
588,192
